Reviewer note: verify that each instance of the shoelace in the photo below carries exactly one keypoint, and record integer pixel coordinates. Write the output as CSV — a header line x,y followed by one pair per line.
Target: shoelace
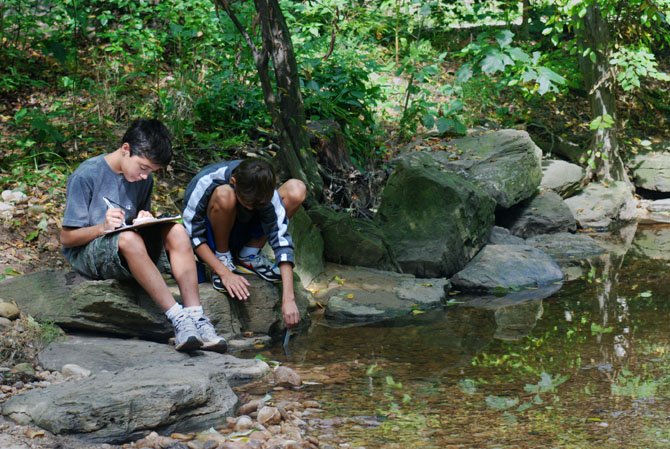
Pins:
x,y
183,322
227,262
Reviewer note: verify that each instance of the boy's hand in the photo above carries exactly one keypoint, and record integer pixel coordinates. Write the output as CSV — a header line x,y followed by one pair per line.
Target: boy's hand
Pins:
x,y
113,219
142,215
289,311
236,285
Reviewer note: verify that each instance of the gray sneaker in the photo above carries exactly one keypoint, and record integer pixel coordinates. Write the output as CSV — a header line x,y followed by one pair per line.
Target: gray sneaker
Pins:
x,y
210,340
186,335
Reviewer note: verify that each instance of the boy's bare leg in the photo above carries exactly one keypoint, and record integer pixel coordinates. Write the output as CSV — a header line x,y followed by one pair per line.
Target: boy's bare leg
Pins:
x,y
182,261
134,251
221,212
293,192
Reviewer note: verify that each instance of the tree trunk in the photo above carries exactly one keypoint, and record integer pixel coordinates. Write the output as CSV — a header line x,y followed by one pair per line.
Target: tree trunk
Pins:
x,y
599,83
283,98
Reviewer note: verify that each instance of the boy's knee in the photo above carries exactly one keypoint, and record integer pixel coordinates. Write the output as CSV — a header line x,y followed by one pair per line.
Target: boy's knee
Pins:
x,y
130,242
177,238
294,192
223,199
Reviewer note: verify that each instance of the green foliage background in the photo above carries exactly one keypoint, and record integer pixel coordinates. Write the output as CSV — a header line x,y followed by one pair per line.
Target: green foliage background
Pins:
x,y
75,72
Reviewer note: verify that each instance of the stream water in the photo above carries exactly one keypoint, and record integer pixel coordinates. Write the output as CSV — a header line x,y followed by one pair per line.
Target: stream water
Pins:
x,y
588,367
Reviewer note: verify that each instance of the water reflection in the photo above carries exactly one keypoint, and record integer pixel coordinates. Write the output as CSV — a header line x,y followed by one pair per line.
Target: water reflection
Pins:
x,y
587,366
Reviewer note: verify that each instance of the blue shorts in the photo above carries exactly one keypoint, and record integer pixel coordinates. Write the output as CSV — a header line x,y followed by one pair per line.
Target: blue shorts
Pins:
x,y
239,235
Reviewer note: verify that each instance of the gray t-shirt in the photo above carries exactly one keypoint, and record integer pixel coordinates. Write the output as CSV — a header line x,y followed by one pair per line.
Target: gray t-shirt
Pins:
x,y
93,180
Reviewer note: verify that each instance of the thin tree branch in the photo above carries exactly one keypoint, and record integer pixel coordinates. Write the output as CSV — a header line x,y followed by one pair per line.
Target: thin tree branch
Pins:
x,y
333,35
225,4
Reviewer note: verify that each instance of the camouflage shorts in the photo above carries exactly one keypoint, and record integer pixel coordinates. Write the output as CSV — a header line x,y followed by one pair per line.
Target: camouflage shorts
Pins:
x,y
100,258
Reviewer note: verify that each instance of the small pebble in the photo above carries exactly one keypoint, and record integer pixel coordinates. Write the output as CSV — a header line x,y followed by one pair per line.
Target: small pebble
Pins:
x,y
243,423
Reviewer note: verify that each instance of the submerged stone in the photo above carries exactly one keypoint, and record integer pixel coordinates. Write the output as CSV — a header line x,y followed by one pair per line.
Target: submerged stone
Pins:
x,y
356,294
503,268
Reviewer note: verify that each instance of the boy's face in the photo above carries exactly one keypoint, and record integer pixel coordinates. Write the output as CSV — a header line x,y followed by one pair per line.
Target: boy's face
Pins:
x,y
247,203
137,168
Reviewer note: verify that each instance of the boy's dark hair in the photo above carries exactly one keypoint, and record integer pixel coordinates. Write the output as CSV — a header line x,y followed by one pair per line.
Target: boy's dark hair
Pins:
x,y
149,138
255,182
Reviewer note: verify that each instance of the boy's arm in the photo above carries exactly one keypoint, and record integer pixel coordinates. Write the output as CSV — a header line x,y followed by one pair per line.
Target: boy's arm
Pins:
x,y
289,309
70,237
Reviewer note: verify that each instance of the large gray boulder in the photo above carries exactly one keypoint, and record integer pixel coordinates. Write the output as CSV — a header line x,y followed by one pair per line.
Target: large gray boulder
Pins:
x,y
545,213
561,177
118,406
501,268
308,246
434,220
357,294
352,241
651,171
598,206
506,164
123,308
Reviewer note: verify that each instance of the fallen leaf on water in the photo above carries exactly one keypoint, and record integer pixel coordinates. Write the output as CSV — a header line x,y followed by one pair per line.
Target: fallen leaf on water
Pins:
x,y
349,296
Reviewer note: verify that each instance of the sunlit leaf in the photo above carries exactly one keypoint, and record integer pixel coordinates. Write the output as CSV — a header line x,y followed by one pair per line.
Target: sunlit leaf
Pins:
x,y
598,329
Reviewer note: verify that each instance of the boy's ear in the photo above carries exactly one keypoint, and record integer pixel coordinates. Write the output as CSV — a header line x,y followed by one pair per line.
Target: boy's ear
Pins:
x,y
125,147
233,181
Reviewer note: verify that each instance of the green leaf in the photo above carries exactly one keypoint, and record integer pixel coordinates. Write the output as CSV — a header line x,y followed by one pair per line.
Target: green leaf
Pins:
x,y
464,73
20,114
495,61
598,329
428,121
518,55
33,235
547,80
504,38
646,294
500,402
601,122
450,125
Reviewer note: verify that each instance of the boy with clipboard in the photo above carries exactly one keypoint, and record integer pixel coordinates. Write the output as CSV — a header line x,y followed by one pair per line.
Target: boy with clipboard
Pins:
x,y
96,248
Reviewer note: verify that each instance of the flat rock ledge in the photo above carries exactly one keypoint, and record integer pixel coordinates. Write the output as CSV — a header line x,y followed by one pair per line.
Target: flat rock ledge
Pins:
x,y
360,295
123,308
135,387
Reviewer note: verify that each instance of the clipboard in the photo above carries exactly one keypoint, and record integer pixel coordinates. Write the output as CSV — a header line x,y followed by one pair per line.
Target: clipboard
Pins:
x,y
143,223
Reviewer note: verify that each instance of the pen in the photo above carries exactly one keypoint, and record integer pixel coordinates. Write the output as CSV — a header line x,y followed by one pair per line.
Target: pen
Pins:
x,y
113,204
